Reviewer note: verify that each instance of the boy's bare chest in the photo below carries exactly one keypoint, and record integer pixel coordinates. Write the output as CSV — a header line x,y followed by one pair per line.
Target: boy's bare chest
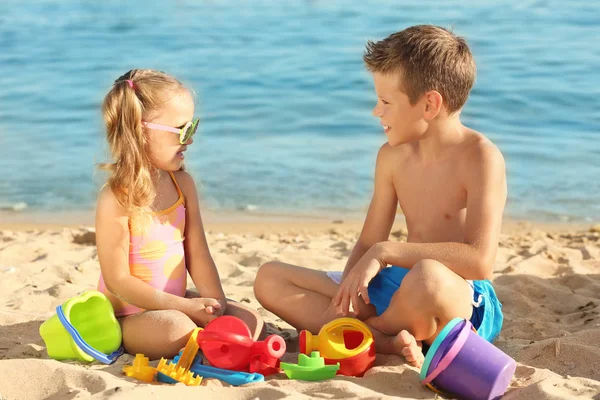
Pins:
x,y
433,200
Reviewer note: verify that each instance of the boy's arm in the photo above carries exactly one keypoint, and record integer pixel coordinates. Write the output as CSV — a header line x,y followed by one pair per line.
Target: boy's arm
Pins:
x,y
199,261
485,181
382,210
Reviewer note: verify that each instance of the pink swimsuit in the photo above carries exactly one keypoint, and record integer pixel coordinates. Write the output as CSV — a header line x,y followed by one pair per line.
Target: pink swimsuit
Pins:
x,y
156,255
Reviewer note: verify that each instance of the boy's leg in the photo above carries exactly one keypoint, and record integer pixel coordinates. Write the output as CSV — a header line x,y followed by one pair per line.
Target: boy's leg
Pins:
x,y
300,296
429,296
403,344
159,333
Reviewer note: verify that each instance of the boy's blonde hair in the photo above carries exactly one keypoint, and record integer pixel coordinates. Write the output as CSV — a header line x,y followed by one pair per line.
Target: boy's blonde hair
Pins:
x,y
428,58
133,98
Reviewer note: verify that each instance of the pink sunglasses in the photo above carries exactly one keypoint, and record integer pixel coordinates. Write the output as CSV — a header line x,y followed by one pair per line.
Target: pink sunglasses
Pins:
x,y
185,133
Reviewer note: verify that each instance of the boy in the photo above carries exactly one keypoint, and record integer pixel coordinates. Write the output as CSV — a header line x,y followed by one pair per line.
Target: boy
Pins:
x,y
450,182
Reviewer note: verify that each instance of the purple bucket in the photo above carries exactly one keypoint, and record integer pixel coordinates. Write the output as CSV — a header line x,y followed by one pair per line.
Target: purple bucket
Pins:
x,y
463,364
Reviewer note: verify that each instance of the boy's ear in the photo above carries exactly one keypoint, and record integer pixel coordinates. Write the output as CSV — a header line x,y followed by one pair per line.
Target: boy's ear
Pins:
x,y
433,104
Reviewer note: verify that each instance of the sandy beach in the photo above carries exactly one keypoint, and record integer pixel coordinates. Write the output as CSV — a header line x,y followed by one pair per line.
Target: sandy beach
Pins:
x,y
547,277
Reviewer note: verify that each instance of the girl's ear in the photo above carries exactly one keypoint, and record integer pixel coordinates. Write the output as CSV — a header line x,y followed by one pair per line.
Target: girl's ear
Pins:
x,y
433,104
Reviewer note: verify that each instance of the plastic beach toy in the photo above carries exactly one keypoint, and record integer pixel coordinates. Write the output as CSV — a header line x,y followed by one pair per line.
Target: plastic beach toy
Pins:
x,y
140,369
463,364
311,368
344,340
235,378
169,373
226,343
179,369
187,368
84,328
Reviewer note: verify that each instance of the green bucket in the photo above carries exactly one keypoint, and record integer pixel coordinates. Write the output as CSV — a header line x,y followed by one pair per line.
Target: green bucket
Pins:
x,y
84,328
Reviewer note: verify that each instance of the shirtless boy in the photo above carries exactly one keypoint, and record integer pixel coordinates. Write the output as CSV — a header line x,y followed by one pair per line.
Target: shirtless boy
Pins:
x,y
450,183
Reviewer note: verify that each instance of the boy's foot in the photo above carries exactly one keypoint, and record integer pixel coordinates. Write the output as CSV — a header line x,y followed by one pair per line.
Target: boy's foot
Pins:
x,y
406,345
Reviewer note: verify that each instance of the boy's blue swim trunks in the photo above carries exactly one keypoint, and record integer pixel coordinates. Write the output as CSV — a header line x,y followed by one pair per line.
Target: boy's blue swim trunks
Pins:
x,y
487,311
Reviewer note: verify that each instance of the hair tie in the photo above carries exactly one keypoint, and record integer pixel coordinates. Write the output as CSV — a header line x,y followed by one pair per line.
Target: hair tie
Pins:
x,y
130,82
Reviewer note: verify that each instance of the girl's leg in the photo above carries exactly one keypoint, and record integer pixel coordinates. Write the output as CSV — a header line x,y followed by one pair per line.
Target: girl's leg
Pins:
x,y
156,334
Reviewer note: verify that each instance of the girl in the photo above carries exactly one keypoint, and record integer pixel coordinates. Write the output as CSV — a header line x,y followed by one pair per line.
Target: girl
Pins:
x,y
148,225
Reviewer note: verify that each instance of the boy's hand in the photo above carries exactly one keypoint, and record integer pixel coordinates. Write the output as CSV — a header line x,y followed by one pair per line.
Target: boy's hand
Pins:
x,y
357,281
202,310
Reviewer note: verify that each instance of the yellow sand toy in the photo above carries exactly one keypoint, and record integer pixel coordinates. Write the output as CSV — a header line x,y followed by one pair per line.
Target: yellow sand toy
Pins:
x,y
167,371
180,372
140,369
170,373
84,328
344,340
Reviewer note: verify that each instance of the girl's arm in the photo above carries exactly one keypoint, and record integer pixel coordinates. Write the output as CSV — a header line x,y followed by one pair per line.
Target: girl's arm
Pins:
x,y
112,241
198,260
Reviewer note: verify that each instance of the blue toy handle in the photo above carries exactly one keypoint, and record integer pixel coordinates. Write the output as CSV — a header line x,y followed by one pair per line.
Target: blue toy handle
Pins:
x,y
89,350
234,378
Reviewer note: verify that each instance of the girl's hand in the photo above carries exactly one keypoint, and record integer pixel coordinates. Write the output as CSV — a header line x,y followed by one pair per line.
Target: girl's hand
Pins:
x,y
221,310
202,310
